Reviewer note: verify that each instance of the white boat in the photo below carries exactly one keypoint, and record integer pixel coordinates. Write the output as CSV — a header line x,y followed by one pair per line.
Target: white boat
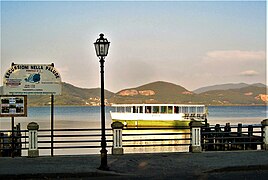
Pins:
x,y
158,115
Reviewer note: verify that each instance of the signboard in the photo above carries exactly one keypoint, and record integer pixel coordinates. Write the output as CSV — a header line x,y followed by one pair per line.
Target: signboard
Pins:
x,y
13,106
32,79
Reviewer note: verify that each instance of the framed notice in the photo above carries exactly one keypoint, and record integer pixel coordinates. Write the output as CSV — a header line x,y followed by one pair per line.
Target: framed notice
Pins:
x,y
13,105
32,79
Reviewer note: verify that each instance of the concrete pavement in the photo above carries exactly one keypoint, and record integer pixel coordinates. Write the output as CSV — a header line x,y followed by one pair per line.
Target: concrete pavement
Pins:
x,y
205,165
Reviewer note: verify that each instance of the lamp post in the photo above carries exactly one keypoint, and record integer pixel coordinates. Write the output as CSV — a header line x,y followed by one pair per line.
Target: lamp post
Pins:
x,y
101,47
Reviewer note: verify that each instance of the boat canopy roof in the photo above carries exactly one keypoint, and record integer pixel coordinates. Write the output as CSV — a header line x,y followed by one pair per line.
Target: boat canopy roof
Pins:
x,y
184,105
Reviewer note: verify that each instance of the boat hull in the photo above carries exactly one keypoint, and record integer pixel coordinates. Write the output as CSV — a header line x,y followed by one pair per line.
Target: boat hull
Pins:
x,y
151,120
158,115
153,123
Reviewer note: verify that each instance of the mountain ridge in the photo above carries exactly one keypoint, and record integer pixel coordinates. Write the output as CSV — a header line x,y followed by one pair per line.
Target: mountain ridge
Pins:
x,y
157,92
226,87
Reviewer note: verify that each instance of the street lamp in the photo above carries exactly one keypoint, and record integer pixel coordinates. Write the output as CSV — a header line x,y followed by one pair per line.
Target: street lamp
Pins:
x,y
101,47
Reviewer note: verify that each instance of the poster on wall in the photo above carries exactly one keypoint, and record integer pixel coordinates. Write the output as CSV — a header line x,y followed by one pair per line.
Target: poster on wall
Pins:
x,y
32,79
13,105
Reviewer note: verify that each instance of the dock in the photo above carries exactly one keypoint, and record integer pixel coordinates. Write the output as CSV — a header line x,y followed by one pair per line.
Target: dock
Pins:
x,y
205,165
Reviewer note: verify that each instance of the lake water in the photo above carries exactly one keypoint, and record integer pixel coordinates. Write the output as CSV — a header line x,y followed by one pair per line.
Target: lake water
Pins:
x,y
89,117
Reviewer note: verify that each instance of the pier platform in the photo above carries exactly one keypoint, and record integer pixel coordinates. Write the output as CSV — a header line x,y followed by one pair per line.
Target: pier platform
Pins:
x,y
205,165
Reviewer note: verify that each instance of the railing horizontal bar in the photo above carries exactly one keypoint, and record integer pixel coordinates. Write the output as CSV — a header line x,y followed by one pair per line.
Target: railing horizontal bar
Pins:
x,y
9,149
151,145
232,143
79,141
48,130
72,147
16,143
232,138
16,131
242,133
136,140
8,137
74,135
236,126
166,128
160,134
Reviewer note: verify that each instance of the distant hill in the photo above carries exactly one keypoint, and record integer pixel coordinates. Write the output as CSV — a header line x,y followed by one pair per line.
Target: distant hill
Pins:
x,y
158,92
164,92
226,87
71,95
250,95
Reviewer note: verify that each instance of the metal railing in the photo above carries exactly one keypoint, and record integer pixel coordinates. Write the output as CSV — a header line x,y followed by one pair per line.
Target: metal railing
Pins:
x,y
132,138
195,138
13,144
72,138
237,137
89,139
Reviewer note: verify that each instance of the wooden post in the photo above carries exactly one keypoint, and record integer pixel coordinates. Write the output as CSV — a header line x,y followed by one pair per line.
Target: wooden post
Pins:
x,y
208,136
239,134
250,135
12,137
227,133
265,133
239,130
18,144
250,130
33,139
1,144
117,138
216,136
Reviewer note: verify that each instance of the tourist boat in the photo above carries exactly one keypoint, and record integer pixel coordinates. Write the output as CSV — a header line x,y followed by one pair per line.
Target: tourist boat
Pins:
x,y
158,115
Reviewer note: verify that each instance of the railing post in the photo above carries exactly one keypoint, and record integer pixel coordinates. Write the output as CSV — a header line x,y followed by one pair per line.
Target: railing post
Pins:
x,y
239,130
227,133
265,133
196,136
239,134
250,130
1,144
117,138
33,139
250,135
217,137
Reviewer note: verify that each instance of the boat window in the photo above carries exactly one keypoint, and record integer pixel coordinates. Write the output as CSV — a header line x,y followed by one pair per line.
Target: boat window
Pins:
x,y
192,110
148,109
176,109
120,109
135,109
128,109
200,109
163,109
141,109
184,109
155,109
170,109
180,109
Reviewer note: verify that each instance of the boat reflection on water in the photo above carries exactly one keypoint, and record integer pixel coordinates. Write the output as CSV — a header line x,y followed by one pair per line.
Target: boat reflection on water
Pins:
x,y
168,126
153,141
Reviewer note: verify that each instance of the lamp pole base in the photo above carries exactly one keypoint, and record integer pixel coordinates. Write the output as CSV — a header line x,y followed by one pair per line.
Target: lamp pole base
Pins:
x,y
103,165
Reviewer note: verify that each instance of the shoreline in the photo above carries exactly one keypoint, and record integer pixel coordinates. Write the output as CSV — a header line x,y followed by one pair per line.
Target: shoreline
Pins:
x,y
222,105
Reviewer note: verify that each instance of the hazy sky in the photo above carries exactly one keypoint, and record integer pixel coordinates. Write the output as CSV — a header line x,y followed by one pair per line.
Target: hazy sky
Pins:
x,y
192,44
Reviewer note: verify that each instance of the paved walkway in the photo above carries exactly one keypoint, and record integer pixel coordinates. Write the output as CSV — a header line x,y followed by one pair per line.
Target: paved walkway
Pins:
x,y
205,165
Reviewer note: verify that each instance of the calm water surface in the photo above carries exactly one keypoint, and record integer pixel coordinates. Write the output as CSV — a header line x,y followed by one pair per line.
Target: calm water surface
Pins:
x,y
89,117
